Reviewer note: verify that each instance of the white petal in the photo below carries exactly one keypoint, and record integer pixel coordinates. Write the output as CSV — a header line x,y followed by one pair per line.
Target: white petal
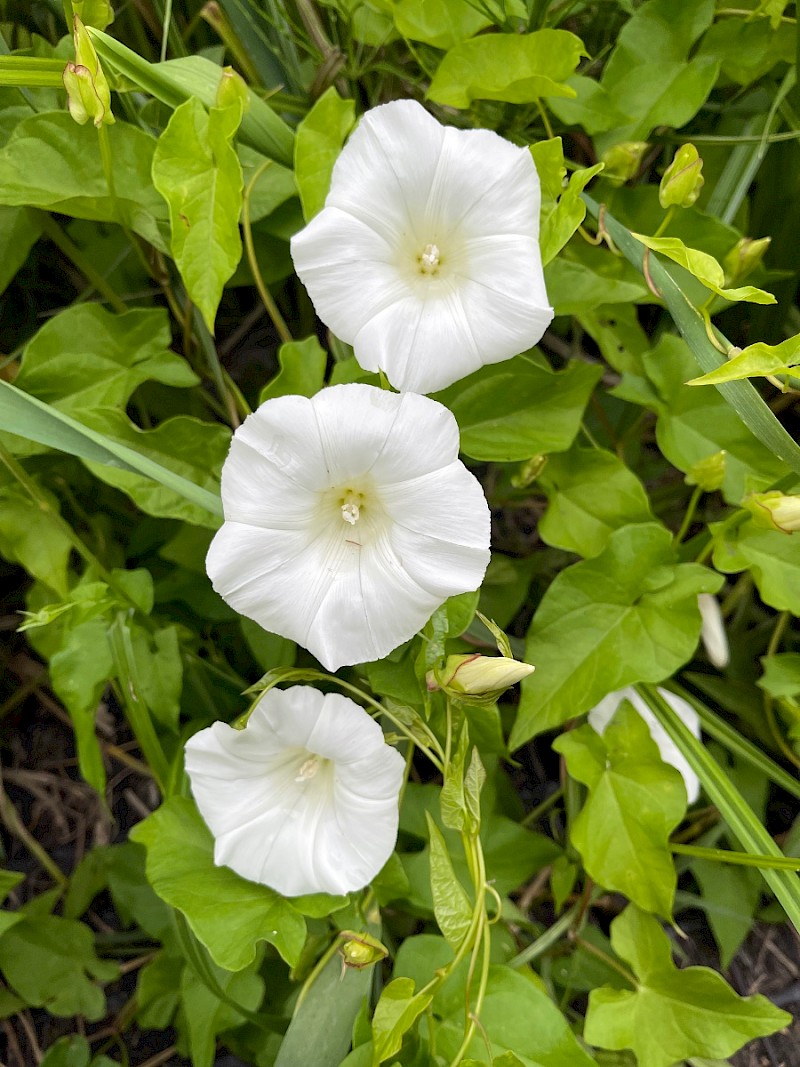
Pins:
x,y
257,492
350,270
713,635
385,173
421,344
330,832
601,715
284,431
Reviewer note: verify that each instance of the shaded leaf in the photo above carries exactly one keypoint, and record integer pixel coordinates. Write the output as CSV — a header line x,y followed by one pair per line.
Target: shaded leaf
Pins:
x,y
318,141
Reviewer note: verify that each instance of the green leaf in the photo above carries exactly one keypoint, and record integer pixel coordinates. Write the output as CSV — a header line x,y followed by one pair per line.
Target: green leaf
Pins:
x,y
50,162
561,223
318,142
184,450
579,285
518,409
197,171
630,614
302,370
203,1015
672,1014
439,23
227,914
703,267
51,963
451,799
395,1014
159,669
733,895
30,536
635,801
74,1051
34,421
274,186
591,493
86,358
517,68
694,424
781,676
19,231
451,907
756,361
771,556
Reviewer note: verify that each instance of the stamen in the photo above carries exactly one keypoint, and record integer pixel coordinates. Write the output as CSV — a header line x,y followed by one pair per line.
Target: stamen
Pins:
x,y
429,260
351,512
308,769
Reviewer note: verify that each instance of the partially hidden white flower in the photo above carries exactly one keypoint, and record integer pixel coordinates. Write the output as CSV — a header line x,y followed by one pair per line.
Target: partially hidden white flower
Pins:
x,y
426,255
601,715
712,634
348,520
305,798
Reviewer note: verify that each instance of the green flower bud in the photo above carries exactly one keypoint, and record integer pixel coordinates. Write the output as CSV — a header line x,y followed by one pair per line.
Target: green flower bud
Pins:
x,y
88,94
232,89
361,950
743,258
708,473
682,179
622,161
774,511
528,472
484,678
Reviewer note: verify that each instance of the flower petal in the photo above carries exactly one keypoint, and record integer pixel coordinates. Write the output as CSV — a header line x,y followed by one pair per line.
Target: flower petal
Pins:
x,y
284,431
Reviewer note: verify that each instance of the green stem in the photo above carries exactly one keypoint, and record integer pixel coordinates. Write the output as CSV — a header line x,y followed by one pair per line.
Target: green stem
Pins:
x,y
738,859
545,941
665,221
542,809
609,961
768,702
694,500
52,230
266,296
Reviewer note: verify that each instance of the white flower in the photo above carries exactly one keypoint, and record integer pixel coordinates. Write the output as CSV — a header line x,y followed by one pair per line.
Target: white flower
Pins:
x,y
601,715
305,798
426,256
348,520
712,634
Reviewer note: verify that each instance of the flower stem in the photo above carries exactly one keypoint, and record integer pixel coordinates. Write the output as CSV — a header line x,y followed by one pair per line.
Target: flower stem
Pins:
x,y
694,500
665,221
266,296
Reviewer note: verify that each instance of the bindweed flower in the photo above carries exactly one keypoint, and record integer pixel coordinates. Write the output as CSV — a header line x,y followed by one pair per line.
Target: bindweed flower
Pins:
x,y
683,178
88,94
426,257
774,510
483,677
305,798
348,520
712,634
601,715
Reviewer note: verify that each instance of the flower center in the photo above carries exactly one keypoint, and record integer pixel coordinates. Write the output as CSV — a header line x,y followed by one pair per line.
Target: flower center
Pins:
x,y
350,505
429,259
308,769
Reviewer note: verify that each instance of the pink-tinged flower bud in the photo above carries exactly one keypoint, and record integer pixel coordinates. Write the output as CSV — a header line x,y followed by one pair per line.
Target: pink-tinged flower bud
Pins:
x,y
622,161
743,258
774,511
682,179
361,950
88,94
708,473
484,677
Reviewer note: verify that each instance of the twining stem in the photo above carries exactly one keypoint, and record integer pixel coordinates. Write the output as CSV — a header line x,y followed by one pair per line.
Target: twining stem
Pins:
x,y
694,500
266,296
93,276
665,221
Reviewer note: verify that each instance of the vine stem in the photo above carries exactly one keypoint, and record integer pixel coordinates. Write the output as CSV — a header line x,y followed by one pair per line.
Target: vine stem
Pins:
x,y
694,500
266,296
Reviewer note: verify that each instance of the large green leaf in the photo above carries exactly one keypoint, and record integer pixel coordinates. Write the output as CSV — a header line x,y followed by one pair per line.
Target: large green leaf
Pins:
x,y
450,904
771,556
318,141
19,231
52,163
630,614
33,420
31,536
635,801
757,360
227,914
395,1013
197,171
302,370
440,23
518,409
672,1014
591,493
517,68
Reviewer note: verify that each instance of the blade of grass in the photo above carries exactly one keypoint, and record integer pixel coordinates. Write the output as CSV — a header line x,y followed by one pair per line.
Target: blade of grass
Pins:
x,y
742,396
738,815
738,859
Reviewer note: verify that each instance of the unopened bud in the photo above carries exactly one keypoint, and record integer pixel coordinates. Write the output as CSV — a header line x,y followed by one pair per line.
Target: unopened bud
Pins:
x,y
774,511
232,89
622,161
708,473
88,95
527,473
743,258
361,950
486,677
683,178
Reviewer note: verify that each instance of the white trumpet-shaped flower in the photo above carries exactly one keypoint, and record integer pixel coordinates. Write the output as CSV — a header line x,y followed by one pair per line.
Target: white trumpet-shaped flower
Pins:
x,y
712,634
426,256
601,715
305,798
348,520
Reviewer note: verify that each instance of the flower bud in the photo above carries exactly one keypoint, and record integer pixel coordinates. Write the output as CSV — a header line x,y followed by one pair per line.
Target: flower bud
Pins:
x,y
743,258
708,473
88,95
774,511
712,633
528,472
622,161
232,89
682,179
486,677
361,950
